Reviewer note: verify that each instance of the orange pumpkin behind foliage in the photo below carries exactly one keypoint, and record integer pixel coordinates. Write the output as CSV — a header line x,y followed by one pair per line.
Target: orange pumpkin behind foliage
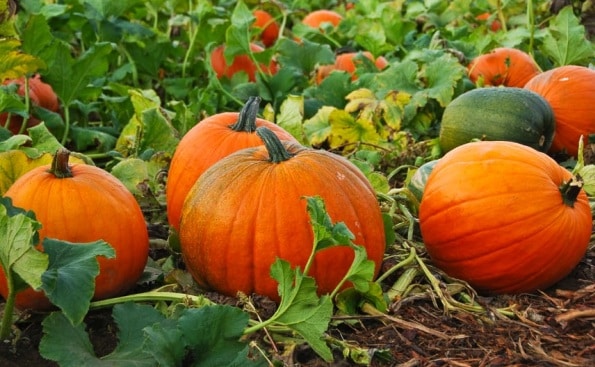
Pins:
x,y
347,62
269,27
240,63
504,217
570,91
40,94
503,66
84,203
317,18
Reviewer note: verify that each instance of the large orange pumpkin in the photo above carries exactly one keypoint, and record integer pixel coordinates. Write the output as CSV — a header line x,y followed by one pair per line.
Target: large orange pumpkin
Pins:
x,y
504,217
210,140
570,91
83,203
40,94
505,66
346,62
249,209
240,63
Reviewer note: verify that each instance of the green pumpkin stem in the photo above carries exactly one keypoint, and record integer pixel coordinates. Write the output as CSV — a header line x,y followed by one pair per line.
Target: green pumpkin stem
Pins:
x,y
275,147
571,189
60,167
247,119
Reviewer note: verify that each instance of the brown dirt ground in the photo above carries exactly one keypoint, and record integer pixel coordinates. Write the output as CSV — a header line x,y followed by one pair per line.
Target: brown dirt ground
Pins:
x,y
550,328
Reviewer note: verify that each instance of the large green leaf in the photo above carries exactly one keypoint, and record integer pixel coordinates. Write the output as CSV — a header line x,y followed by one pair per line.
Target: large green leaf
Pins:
x,y
566,42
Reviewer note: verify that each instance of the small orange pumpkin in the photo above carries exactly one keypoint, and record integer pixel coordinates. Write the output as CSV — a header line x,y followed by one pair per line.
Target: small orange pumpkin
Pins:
x,y
40,93
240,63
269,27
317,18
504,217
570,91
346,62
505,66
83,203
206,143
248,209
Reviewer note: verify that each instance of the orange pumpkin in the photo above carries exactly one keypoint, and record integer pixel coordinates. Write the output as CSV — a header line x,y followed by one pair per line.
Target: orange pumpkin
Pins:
x,y
570,91
269,27
40,94
249,209
347,62
504,217
240,63
317,18
503,66
83,203
206,143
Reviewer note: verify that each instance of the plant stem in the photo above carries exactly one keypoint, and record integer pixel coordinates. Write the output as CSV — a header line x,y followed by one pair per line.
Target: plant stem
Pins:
x,y
66,125
277,152
152,296
27,106
60,167
247,119
6,323
571,189
408,261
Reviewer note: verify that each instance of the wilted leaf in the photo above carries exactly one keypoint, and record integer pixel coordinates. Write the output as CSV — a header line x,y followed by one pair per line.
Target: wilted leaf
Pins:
x,y
347,130
318,128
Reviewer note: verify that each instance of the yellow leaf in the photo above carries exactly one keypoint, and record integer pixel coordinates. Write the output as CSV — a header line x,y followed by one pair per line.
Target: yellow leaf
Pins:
x,y
15,163
347,131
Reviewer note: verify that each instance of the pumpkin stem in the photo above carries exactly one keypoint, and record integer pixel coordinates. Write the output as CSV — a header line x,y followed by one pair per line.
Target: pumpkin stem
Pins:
x,y
571,189
276,149
247,119
60,167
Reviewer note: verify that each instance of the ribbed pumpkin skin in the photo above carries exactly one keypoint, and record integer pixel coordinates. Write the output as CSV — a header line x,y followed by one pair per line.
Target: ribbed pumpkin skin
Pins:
x,y
206,143
503,66
570,91
92,205
492,214
245,212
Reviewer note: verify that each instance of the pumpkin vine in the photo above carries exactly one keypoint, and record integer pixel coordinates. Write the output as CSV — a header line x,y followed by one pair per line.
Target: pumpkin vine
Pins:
x,y
277,151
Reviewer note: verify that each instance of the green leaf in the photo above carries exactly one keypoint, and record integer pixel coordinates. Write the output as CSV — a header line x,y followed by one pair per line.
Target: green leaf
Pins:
x,y
588,175
131,319
13,103
304,56
300,308
290,117
71,78
442,75
326,234
237,34
163,343
566,42
18,255
69,281
213,336
42,140
67,344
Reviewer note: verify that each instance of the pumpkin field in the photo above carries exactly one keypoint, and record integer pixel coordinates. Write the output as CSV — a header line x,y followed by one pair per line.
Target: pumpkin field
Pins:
x,y
297,183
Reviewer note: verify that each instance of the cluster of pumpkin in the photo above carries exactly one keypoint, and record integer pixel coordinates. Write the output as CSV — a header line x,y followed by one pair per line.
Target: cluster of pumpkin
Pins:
x,y
268,30
501,213
235,194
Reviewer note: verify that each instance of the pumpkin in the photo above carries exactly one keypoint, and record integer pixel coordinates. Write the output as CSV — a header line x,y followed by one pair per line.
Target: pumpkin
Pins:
x,y
492,22
317,18
347,62
570,91
505,66
240,63
418,180
210,140
40,94
504,217
248,209
269,28
503,113
83,203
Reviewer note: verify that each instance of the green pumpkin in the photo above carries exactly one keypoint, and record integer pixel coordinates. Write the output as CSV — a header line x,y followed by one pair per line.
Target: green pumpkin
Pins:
x,y
498,113
417,183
